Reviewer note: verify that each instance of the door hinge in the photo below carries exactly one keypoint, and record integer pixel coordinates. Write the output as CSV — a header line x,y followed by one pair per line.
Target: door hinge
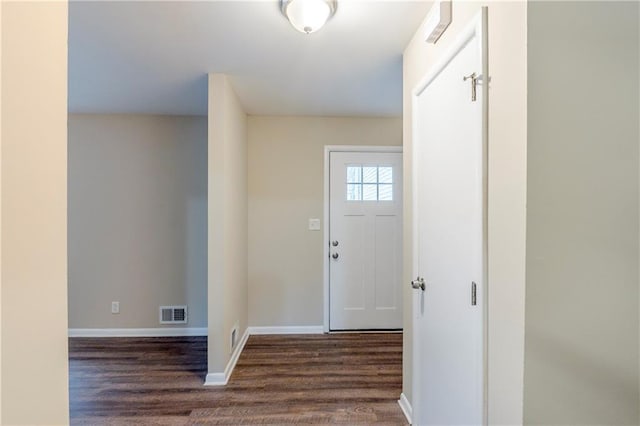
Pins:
x,y
474,299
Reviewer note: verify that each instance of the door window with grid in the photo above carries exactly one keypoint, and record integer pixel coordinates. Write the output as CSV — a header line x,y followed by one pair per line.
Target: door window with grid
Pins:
x,y
369,183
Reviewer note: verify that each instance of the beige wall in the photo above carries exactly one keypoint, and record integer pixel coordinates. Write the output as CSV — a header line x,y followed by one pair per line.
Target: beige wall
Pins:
x,y
227,222
1,102
581,363
507,195
286,175
137,219
34,213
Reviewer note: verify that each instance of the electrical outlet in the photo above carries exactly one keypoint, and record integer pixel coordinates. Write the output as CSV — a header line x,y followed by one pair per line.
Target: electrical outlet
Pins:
x,y
115,307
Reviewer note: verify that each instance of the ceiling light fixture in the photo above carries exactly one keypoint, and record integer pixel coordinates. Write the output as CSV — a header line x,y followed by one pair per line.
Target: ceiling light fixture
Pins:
x,y
308,16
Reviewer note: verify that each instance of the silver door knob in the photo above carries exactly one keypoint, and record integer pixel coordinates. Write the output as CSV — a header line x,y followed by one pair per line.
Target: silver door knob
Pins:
x,y
334,243
334,255
418,283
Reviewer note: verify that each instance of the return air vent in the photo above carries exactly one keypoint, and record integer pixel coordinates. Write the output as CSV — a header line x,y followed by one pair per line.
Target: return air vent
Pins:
x,y
173,314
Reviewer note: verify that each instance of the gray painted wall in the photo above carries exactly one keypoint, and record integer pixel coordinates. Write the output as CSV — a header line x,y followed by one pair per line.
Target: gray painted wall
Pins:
x,y
581,334
137,219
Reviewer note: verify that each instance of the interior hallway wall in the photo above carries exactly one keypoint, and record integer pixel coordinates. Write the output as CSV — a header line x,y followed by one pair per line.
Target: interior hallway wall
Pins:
x,y
581,363
34,213
506,196
286,188
227,221
137,219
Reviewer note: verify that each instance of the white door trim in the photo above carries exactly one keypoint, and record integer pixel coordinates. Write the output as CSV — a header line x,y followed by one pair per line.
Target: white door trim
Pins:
x,y
476,28
328,149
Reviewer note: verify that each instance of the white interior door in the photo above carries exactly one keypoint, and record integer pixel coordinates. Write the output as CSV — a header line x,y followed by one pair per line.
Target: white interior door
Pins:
x,y
365,237
449,165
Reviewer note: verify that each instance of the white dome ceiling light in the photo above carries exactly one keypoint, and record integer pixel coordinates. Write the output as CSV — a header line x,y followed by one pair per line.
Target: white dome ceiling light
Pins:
x,y
308,16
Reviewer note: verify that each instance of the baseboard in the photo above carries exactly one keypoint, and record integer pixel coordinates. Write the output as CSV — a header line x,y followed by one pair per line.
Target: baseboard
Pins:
x,y
137,332
184,331
212,379
311,329
221,379
405,405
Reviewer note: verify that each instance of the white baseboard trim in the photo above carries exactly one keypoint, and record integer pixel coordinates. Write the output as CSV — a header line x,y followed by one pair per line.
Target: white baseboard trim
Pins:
x,y
221,379
212,379
405,405
137,332
184,331
307,329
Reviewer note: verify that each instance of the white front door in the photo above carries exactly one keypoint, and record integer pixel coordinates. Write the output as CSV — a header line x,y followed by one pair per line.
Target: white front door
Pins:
x,y
449,218
365,237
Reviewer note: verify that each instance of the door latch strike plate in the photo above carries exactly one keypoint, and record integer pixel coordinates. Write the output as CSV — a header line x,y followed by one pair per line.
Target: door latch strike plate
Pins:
x,y
473,294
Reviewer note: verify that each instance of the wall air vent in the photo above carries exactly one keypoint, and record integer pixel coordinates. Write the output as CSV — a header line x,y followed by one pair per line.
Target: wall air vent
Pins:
x,y
173,314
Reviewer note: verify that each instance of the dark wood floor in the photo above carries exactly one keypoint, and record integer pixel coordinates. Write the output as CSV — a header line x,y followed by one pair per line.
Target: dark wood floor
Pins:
x,y
310,379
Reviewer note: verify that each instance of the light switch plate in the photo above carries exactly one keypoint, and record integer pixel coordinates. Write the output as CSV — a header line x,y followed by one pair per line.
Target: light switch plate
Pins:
x,y
314,224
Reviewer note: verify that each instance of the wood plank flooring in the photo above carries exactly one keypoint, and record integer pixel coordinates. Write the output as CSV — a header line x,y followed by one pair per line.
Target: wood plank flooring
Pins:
x,y
301,379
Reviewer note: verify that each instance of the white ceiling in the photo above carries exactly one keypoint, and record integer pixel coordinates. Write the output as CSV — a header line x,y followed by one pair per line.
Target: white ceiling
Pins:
x,y
153,57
